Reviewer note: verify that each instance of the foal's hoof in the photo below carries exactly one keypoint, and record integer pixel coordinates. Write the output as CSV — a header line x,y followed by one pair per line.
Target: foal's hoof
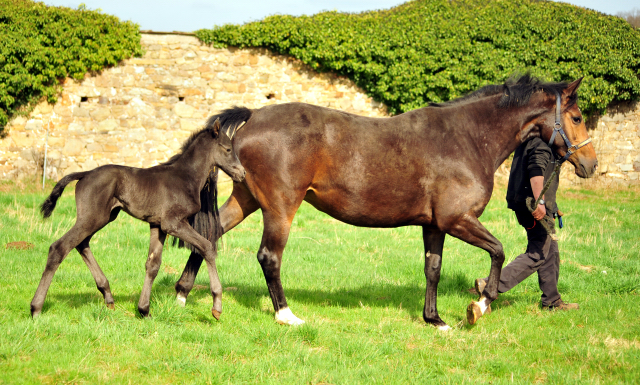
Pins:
x,y
181,300
475,311
111,306
216,314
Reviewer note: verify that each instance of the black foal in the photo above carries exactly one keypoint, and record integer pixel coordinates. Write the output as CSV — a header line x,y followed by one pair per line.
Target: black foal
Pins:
x,y
165,196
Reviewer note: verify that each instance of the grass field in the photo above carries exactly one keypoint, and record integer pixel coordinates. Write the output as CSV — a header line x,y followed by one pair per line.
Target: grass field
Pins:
x,y
361,292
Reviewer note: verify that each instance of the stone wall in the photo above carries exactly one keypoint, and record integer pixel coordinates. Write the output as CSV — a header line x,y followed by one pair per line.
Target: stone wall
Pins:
x,y
139,112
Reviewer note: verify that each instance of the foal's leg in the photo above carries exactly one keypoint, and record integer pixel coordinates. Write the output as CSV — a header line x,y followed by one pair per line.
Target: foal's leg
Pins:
x,y
470,230
152,267
101,280
186,233
433,242
87,256
239,206
57,253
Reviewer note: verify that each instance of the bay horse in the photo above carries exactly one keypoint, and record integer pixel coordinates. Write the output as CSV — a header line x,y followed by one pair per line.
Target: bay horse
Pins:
x,y
165,196
432,167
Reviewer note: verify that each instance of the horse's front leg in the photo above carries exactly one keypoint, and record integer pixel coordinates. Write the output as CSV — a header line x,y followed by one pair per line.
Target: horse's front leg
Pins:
x,y
433,244
239,205
469,229
183,231
152,266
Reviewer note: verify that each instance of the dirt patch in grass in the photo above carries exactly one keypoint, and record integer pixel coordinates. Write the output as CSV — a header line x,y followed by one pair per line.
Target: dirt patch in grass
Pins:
x,y
20,245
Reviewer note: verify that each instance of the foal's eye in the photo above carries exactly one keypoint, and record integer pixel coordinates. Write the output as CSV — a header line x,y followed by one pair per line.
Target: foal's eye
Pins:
x,y
228,150
577,119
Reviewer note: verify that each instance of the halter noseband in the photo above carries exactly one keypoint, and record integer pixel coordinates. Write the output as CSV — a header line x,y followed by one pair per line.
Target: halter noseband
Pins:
x,y
557,128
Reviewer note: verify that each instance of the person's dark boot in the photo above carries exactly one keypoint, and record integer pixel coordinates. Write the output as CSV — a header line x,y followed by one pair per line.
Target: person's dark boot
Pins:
x,y
561,305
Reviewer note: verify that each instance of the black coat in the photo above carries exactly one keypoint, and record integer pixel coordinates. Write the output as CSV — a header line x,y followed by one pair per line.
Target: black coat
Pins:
x,y
531,158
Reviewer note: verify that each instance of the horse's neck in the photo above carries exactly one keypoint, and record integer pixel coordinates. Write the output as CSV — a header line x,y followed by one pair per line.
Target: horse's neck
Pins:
x,y
197,161
501,128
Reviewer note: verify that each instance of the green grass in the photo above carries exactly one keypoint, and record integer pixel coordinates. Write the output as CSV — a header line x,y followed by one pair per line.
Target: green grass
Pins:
x,y
361,292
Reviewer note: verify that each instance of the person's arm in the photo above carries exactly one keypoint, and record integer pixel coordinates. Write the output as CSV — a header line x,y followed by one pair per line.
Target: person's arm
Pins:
x,y
537,182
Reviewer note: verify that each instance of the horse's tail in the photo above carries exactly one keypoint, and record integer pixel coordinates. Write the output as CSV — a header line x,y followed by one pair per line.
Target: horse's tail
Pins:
x,y
49,204
207,221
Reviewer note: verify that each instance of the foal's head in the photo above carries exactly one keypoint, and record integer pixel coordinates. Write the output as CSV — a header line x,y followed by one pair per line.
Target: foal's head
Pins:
x,y
223,154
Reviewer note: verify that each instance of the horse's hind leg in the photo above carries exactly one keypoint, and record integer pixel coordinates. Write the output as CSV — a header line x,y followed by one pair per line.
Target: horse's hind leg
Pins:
x,y
183,231
87,256
433,244
274,240
239,206
470,230
152,267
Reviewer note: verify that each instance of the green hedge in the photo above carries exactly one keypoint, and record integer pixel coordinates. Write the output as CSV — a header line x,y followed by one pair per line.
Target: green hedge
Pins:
x,y
40,45
436,50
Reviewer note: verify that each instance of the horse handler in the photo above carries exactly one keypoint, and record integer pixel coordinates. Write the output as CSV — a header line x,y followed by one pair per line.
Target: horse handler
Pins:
x,y
533,164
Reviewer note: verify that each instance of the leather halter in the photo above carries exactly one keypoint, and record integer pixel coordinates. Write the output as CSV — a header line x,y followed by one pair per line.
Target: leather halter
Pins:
x,y
557,128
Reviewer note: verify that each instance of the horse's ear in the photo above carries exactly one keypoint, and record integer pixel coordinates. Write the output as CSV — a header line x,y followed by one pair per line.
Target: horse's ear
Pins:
x,y
216,127
572,87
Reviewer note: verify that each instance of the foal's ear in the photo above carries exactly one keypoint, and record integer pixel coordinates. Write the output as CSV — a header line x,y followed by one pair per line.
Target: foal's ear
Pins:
x,y
216,127
572,87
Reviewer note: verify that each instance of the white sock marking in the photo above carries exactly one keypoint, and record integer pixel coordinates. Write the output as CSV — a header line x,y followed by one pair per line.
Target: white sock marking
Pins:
x,y
182,301
483,304
444,328
286,317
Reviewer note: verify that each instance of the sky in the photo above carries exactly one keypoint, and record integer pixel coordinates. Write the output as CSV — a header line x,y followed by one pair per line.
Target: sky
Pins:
x,y
191,15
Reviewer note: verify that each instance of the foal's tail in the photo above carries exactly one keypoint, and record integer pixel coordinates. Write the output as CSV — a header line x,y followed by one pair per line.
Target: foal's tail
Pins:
x,y
50,203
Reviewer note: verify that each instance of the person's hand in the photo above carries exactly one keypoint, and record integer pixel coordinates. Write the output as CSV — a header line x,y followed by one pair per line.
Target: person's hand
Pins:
x,y
539,212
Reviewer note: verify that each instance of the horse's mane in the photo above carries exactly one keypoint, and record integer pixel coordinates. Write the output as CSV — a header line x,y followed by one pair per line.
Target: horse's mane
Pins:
x,y
516,92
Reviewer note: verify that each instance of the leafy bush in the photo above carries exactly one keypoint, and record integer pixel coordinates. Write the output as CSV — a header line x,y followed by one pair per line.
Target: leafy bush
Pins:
x,y
40,45
435,50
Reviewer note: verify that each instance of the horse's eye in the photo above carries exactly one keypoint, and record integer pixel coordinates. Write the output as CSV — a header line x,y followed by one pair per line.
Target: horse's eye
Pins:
x,y
577,119
228,150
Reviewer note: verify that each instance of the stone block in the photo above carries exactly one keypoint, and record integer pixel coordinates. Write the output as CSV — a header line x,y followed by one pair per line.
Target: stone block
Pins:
x,y
33,124
108,125
94,147
53,142
183,110
73,147
100,114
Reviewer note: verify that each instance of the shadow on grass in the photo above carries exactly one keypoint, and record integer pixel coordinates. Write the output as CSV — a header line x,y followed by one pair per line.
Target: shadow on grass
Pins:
x,y
379,295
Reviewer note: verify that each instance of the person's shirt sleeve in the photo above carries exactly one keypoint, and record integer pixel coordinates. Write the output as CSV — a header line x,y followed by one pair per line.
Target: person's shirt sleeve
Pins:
x,y
539,157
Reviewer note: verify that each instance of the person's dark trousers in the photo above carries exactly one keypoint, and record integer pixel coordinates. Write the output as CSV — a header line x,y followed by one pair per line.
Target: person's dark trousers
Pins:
x,y
542,255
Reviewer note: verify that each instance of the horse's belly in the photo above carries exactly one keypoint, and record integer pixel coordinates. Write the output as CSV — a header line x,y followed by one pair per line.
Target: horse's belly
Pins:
x,y
360,211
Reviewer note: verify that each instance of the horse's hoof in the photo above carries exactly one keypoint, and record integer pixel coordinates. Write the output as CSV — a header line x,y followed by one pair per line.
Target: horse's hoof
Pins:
x,y
444,328
216,314
474,312
286,317
143,312
111,306
181,300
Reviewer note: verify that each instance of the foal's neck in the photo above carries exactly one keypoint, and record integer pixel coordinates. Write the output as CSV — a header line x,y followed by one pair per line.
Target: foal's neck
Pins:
x,y
197,161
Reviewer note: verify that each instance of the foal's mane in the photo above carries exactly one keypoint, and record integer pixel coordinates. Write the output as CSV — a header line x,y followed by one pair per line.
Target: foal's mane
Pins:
x,y
189,142
515,92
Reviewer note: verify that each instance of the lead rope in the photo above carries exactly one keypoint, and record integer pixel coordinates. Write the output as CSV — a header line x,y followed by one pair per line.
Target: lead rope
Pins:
x,y
533,204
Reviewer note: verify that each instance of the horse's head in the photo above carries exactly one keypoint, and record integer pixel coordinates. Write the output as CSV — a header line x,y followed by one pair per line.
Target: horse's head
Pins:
x,y
575,145
224,155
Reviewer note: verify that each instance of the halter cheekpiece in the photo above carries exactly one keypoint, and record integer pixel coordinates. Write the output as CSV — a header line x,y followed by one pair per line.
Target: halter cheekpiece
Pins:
x,y
557,128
